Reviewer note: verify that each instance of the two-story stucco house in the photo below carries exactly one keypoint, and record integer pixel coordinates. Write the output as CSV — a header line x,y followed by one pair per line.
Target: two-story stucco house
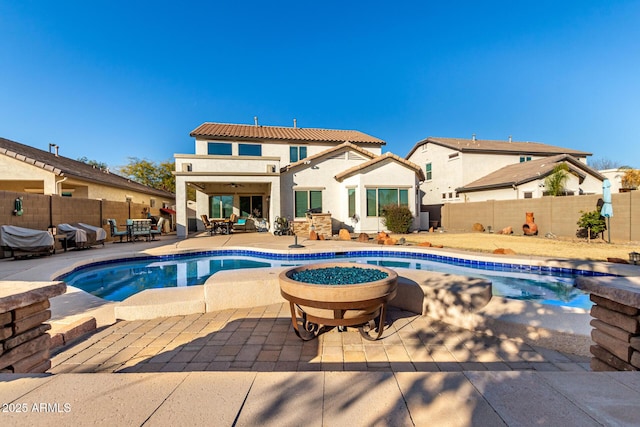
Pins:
x,y
272,171
464,170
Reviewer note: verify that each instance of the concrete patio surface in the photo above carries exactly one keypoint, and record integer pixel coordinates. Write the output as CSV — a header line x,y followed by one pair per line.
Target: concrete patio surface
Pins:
x,y
247,367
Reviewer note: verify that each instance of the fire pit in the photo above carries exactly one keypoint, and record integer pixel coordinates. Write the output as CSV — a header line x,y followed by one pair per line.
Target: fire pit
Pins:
x,y
338,294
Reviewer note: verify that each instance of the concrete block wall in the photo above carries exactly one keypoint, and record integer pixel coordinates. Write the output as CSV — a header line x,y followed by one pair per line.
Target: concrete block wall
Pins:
x,y
557,215
35,210
39,211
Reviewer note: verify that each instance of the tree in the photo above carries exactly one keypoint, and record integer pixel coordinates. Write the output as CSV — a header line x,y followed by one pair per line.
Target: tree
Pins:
x,y
603,163
592,222
151,174
555,182
95,163
631,178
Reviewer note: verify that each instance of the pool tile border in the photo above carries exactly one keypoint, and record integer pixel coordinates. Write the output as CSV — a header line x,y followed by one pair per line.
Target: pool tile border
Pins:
x,y
450,260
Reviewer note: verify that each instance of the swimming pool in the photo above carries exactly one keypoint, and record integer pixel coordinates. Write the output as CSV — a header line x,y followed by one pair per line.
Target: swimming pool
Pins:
x,y
116,280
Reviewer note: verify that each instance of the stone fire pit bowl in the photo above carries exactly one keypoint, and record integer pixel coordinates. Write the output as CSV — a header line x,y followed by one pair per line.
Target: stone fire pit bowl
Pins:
x,y
338,301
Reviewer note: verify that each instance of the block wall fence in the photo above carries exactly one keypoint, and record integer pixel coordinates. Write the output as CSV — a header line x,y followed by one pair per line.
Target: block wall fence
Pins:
x,y
40,211
557,215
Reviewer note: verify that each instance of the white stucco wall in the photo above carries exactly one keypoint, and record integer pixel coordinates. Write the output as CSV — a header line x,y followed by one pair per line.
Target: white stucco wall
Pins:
x,y
590,185
318,175
16,171
450,173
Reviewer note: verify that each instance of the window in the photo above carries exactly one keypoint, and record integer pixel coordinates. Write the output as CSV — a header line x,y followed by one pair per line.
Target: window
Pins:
x,y
525,159
152,203
377,198
219,149
307,200
528,195
249,150
251,205
220,206
297,153
428,173
352,201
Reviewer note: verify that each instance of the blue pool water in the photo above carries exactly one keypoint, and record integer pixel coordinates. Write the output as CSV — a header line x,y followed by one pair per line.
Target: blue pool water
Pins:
x,y
118,280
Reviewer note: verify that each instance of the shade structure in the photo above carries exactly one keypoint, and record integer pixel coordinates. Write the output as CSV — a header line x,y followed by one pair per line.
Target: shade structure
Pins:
x,y
607,207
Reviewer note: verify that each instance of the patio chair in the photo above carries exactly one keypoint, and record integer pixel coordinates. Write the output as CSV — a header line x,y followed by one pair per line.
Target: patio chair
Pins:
x,y
237,223
156,230
139,228
208,226
115,232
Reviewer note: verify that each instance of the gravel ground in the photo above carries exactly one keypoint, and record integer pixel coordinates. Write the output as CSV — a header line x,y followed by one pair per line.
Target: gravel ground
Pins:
x,y
596,250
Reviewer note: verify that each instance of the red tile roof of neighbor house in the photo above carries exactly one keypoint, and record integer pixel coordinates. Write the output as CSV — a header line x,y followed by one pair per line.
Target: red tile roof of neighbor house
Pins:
x,y
520,173
227,131
498,147
64,166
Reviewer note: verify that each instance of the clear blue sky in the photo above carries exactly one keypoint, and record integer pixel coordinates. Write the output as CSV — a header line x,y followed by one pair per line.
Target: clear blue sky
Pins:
x,y
116,79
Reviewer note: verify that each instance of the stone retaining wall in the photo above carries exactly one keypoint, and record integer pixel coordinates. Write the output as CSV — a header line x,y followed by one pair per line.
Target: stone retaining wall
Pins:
x,y
24,341
320,222
616,323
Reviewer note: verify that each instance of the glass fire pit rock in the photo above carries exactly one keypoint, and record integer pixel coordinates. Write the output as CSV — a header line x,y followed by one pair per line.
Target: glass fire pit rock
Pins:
x,y
341,294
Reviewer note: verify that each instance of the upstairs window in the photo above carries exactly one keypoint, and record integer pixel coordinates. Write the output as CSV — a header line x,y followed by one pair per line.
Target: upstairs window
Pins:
x,y
297,153
219,148
428,172
249,150
525,159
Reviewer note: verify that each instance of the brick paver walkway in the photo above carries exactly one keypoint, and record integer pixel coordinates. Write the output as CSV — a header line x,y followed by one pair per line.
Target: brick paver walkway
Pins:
x,y
262,339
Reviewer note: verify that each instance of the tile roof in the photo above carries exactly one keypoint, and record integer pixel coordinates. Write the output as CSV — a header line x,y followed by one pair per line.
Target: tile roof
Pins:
x,y
277,133
524,172
498,147
342,175
332,150
63,166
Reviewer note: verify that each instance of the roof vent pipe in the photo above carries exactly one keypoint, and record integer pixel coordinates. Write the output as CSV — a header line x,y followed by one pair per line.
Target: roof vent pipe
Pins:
x,y
510,140
56,150
473,137
295,123
255,120
55,146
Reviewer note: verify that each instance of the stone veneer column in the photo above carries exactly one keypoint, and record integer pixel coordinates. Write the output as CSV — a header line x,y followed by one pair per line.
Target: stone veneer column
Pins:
x,y
24,342
616,323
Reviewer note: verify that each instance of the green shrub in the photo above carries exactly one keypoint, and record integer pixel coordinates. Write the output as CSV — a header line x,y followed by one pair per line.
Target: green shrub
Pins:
x,y
592,223
397,219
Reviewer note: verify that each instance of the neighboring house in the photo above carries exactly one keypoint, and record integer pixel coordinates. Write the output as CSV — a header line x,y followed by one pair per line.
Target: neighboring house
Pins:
x,y
527,180
271,172
615,178
31,170
450,164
